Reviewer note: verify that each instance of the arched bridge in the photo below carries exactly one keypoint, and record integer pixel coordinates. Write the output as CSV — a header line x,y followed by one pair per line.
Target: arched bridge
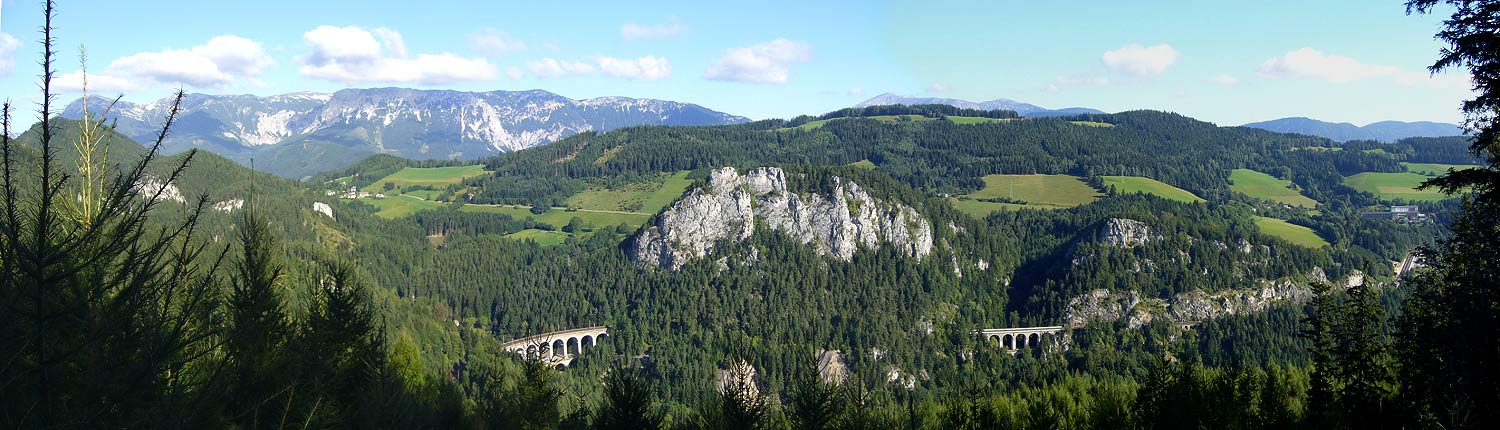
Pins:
x,y
1017,338
558,346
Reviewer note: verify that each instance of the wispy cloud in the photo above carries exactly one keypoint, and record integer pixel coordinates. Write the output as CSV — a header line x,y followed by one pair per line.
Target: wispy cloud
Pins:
x,y
937,87
649,67
554,68
353,54
672,28
221,61
766,63
1137,60
495,42
1309,63
8,45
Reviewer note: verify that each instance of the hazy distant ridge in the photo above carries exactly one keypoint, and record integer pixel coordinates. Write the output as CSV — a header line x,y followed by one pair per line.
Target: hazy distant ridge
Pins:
x,y
1385,131
1024,109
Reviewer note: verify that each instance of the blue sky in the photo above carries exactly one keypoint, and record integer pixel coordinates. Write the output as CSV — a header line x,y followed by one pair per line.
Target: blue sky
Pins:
x,y
1225,62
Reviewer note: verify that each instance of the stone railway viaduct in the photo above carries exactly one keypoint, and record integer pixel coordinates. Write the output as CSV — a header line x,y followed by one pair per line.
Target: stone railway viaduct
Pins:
x,y
1022,337
558,347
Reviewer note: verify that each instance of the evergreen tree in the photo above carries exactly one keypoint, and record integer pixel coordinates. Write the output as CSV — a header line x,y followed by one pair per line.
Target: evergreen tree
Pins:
x,y
1320,323
259,329
628,403
1451,323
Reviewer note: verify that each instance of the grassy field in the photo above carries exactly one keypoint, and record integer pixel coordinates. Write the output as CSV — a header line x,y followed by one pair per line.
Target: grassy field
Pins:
x,y
543,238
1434,169
647,198
400,206
863,164
1262,186
1038,191
1296,234
1137,184
431,176
1393,186
980,209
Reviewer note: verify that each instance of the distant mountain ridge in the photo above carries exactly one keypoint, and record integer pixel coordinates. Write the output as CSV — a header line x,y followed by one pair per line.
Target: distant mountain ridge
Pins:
x,y
1024,109
1385,131
300,134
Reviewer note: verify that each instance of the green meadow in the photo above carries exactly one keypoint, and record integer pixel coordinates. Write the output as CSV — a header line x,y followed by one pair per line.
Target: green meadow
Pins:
x,y
1266,187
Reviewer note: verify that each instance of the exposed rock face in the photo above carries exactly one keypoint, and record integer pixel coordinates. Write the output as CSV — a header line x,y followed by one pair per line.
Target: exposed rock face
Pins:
x,y
831,368
728,209
1124,233
150,185
1104,305
323,208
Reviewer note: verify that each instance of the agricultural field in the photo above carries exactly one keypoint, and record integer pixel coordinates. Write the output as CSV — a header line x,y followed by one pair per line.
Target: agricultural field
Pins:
x,y
1296,234
863,164
1038,191
646,198
1266,187
1434,169
1137,184
429,176
399,206
1391,186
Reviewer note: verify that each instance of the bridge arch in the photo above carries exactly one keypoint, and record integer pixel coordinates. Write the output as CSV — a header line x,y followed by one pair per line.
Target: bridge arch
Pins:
x,y
558,347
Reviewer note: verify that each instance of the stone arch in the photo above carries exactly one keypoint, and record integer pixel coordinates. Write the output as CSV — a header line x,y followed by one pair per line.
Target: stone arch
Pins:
x,y
1020,340
559,348
587,341
1034,339
573,347
1009,342
993,339
531,351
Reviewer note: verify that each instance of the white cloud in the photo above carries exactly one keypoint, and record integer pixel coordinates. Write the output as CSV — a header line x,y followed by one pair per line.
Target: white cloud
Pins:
x,y
856,91
1137,60
352,54
98,83
937,87
766,63
553,68
1225,80
220,62
671,28
1309,63
8,45
649,67
496,42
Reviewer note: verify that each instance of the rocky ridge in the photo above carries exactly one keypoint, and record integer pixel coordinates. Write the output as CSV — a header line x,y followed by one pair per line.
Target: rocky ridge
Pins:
x,y
730,206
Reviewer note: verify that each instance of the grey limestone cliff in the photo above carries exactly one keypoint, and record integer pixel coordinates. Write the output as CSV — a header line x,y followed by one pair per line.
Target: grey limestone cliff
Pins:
x,y
729,207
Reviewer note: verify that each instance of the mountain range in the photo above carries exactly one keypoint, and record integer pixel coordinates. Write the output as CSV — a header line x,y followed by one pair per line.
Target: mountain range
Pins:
x,y
300,134
1024,109
1385,131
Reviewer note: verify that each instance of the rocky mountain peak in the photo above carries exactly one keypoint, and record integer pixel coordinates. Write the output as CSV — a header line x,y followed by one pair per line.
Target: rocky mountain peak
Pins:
x,y
727,209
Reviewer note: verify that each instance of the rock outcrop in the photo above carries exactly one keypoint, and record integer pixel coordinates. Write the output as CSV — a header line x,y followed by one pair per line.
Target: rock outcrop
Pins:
x,y
1102,305
729,207
1124,233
